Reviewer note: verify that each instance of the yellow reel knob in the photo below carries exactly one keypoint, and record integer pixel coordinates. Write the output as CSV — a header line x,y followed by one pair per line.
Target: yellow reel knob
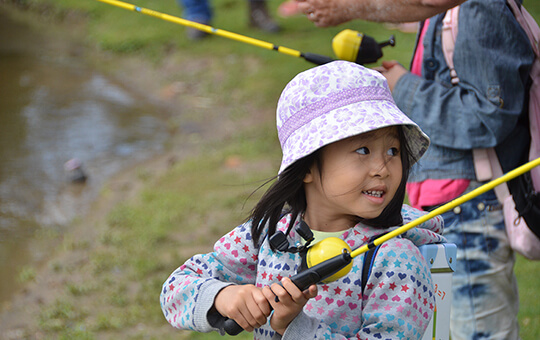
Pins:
x,y
326,249
346,44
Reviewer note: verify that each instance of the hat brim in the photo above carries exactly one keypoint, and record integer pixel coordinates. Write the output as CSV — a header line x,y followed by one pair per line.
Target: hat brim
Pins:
x,y
349,121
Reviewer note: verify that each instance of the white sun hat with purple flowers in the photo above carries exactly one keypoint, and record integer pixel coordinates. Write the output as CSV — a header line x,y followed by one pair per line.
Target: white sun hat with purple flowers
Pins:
x,y
335,101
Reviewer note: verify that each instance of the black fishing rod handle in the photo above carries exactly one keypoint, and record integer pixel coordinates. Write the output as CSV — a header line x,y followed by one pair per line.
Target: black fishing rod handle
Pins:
x,y
316,59
231,327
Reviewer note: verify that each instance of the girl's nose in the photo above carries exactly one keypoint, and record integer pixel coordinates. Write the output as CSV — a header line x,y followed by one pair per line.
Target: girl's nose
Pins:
x,y
379,166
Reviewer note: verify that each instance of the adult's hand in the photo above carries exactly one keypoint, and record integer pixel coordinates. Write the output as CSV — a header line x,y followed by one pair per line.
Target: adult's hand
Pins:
x,y
392,71
324,13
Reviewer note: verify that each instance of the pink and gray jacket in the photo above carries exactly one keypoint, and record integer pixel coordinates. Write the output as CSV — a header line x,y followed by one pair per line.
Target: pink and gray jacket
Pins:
x,y
398,301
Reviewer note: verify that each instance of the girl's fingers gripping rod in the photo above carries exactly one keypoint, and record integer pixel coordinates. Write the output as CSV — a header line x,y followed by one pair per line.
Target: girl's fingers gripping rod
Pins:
x,y
311,57
331,266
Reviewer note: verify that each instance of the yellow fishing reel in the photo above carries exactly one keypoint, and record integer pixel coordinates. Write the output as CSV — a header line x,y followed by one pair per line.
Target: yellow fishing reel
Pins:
x,y
325,261
326,249
357,47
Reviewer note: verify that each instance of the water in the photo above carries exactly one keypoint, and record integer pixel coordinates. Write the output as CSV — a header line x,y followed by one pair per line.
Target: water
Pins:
x,y
54,108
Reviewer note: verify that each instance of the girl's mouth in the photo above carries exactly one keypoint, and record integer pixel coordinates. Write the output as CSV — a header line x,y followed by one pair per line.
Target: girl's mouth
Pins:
x,y
374,193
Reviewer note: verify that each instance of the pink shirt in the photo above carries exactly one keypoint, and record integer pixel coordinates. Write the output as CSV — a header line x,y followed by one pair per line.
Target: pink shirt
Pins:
x,y
416,67
432,191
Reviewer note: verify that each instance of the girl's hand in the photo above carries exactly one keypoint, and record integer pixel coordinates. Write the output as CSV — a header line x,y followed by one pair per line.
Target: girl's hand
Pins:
x,y
291,302
245,304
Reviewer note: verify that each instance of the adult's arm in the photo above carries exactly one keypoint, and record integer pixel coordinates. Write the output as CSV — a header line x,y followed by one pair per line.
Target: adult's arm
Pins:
x,y
326,13
492,59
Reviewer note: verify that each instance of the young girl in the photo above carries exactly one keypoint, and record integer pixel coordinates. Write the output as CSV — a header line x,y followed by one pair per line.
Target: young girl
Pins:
x,y
347,150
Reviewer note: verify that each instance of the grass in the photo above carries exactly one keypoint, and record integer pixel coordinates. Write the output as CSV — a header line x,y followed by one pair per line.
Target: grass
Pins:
x,y
529,311
113,292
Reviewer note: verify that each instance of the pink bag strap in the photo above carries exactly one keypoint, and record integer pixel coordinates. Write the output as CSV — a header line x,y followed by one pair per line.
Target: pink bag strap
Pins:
x,y
482,165
449,35
501,190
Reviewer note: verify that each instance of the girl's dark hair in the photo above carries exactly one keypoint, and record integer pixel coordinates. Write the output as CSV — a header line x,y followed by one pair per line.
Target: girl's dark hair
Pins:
x,y
287,195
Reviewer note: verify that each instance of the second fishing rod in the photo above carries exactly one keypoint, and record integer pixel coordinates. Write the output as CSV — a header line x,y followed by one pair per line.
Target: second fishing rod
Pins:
x,y
348,45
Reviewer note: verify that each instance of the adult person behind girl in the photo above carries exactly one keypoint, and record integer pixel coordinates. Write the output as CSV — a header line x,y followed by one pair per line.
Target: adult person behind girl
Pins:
x,y
486,108
347,150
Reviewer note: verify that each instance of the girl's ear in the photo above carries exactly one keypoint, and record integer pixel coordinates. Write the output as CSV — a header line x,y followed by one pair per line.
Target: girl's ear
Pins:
x,y
312,172
308,178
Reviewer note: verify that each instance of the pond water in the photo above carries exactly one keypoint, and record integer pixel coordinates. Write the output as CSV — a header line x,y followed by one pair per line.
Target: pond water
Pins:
x,y
54,108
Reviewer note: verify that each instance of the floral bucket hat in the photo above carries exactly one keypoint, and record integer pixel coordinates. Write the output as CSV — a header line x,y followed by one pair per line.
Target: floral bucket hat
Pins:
x,y
336,101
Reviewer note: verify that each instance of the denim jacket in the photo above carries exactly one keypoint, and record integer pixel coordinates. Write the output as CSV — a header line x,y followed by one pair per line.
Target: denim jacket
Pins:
x,y
486,108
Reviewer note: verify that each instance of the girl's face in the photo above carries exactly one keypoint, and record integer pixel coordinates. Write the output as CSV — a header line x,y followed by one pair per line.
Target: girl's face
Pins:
x,y
359,177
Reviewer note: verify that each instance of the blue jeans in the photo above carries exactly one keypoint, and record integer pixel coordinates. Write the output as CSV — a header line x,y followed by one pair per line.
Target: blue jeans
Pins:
x,y
198,10
485,299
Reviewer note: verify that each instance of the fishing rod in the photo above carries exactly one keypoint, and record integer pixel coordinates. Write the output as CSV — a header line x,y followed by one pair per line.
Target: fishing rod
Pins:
x,y
328,268
351,45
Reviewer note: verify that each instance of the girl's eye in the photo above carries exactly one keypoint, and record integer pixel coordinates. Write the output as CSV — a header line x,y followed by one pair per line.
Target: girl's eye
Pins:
x,y
363,150
393,151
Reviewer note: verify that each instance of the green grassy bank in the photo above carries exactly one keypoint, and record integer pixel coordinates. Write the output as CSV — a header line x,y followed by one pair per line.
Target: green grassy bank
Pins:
x,y
109,282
